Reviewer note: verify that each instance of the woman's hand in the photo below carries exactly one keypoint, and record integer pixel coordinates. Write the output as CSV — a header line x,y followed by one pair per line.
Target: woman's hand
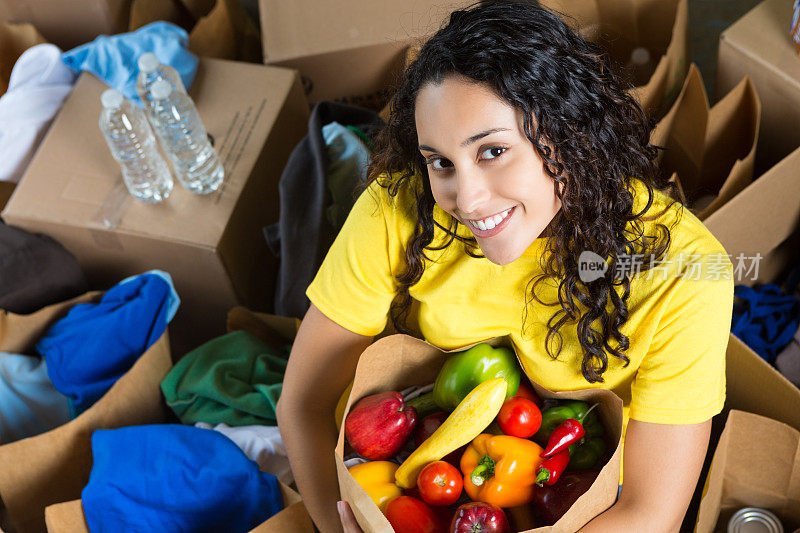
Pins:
x,y
349,523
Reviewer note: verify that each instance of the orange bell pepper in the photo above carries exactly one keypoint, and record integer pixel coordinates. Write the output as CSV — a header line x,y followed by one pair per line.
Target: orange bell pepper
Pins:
x,y
501,469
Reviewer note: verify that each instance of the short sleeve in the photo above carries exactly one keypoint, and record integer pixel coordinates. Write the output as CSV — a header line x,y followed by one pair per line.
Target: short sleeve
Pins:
x,y
681,379
355,285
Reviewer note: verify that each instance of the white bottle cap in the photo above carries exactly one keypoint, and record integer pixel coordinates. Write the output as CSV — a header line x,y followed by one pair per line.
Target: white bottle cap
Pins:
x,y
112,98
148,62
640,55
161,89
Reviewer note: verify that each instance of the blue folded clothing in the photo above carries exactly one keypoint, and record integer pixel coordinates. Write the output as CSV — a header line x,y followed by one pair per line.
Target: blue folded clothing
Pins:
x,y
765,318
95,344
173,478
114,59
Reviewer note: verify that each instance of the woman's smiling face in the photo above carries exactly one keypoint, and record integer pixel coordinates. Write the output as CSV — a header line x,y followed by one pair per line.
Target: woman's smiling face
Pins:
x,y
483,169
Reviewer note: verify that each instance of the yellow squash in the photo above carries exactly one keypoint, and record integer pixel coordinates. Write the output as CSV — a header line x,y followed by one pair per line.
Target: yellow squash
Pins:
x,y
475,412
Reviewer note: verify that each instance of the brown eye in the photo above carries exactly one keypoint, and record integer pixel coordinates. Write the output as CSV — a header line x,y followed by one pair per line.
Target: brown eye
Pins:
x,y
439,163
494,152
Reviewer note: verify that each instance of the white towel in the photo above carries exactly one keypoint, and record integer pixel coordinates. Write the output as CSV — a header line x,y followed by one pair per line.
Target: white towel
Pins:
x,y
39,83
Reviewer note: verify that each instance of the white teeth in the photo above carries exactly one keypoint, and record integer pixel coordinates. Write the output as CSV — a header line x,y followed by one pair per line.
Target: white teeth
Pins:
x,y
490,222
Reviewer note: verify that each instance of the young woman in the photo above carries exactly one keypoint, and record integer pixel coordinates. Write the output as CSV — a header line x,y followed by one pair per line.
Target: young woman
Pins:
x,y
512,158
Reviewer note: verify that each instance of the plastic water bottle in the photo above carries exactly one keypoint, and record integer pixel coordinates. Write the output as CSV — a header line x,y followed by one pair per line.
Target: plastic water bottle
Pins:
x,y
184,138
133,145
150,71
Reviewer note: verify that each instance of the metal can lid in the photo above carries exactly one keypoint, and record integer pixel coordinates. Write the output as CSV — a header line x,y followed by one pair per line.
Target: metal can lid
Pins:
x,y
754,520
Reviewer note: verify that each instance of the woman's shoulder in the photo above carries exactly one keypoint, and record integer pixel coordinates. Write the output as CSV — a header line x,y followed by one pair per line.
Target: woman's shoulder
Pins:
x,y
687,234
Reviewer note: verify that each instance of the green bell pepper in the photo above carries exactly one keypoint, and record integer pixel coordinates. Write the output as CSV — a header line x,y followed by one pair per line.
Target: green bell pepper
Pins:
x,y
575,409
464,371
584,455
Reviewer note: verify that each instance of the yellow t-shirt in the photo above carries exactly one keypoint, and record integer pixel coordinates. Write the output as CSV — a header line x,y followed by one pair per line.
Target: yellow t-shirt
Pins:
x,y
679,312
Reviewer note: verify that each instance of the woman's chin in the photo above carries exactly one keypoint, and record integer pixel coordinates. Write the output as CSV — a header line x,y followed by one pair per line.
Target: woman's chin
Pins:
x,y
501,257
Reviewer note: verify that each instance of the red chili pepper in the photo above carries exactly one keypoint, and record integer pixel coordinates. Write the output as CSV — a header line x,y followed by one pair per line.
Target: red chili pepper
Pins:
x,y
565,435
552,468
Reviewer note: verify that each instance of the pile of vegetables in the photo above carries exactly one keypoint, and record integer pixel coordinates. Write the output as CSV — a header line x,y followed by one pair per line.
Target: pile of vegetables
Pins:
x,y
480,442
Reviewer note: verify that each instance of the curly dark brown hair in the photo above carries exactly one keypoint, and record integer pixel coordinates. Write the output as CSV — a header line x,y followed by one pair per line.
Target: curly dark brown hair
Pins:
x,y
592,136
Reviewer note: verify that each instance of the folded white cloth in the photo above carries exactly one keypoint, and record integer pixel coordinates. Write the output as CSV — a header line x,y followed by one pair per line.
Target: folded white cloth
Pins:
x,y
261,444
38,85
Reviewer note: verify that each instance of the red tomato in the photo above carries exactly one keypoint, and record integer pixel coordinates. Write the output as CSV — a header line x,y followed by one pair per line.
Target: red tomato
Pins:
x,y
527,392
440,483
519,417
410,515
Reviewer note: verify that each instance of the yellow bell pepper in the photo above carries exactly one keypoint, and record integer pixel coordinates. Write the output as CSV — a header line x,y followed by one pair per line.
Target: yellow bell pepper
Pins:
x,y
500,469
377,479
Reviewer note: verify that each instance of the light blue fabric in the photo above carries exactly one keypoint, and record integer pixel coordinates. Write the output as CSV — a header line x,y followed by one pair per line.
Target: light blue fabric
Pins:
x,y
175,479
114,58
348,158
29,403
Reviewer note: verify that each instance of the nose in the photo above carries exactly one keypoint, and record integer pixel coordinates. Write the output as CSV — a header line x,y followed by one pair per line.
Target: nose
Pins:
x,y
471,192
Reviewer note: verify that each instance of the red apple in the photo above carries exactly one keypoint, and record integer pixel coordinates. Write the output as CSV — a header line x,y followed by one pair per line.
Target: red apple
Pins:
x,y
425,429
480,517
378,425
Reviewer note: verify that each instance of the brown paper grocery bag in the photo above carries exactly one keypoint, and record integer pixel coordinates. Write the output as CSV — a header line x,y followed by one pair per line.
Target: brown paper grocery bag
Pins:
x,y
68,517
756,464
14,40
54,466
622,26
711,150
400,361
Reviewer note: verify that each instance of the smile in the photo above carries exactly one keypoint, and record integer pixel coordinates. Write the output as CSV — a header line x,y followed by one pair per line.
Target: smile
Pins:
x,y
490,225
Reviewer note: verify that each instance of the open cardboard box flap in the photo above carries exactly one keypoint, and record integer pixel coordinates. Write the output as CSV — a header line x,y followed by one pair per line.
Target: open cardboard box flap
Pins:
x,y
67,517
54,466
400,361
757,463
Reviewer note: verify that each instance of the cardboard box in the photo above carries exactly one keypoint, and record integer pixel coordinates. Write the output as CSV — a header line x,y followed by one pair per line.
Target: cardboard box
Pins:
x,y
758,45
620,26
761,221
348,51
756,464
71,23
294,518
211,245
54,466
68,517
400,361
709,151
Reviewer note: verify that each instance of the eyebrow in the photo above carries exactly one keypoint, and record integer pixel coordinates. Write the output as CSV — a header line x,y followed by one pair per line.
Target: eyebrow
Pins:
x,y
468,141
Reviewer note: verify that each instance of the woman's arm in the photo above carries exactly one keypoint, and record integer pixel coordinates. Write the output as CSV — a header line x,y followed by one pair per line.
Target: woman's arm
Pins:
x,y
322,363
662,464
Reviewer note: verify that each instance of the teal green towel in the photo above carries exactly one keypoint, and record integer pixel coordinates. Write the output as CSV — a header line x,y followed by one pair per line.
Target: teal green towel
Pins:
x,y
234,379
